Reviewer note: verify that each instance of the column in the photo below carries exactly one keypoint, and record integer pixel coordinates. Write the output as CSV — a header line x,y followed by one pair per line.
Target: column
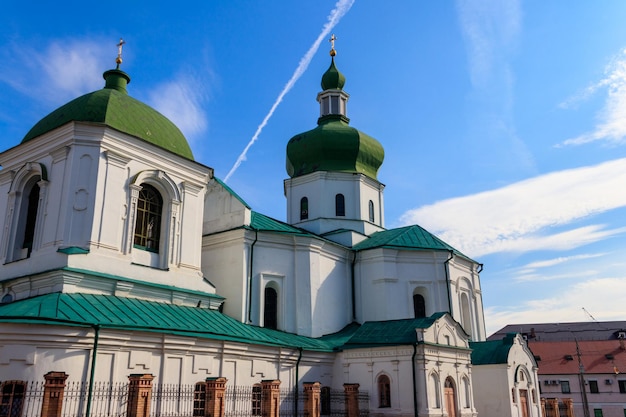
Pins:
x,y
352,399
270,398
54,388
312,399
215,389
139,395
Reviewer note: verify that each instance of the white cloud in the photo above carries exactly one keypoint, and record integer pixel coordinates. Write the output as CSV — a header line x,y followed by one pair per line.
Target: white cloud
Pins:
x,y
181,101
519,217
63,70
611,127
560,260
602,297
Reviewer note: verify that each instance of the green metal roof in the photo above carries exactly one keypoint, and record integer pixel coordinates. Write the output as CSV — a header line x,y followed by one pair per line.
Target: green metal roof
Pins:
x,y
390,332
113,107
264,223
492,352
333,79
134,314
409,237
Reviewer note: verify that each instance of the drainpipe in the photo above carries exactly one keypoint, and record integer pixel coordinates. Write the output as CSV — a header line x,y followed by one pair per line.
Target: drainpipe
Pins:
x,y
446,269
414,379
295,385
352,279
256,237
94,353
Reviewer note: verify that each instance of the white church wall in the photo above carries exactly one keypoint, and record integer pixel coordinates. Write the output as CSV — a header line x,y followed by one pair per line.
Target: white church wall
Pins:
x,y
466,297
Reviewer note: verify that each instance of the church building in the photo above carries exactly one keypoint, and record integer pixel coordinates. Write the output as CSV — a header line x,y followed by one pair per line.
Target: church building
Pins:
x,y
123,257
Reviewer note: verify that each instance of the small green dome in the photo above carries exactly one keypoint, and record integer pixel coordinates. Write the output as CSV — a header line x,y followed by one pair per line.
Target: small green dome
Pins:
x,y
334,146
113,107
332,78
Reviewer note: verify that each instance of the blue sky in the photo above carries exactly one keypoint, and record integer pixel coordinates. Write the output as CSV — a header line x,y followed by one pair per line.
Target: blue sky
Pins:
x,y
503,122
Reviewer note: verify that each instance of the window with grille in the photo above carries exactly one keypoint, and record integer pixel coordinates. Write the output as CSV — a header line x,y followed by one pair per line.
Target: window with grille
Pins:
x,y
12,398
256,400
199,399
565,389
593,387
325,401
371,209
384,392
148,222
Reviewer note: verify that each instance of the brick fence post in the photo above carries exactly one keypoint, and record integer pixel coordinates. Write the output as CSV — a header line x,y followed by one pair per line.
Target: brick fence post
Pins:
x,y
352,399
543,408
53,394
215,389
312,399
270,398
139,395
553,405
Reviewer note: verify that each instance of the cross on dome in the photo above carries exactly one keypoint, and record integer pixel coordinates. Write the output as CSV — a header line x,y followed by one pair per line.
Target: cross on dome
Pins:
x,y
332,40
118,60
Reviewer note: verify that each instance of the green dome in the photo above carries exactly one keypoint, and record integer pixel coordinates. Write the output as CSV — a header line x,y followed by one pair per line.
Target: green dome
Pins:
x,y
113,107
332,78
334,146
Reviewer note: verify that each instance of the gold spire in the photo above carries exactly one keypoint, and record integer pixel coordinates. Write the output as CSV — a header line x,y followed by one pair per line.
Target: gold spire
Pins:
x,y
332,45
118,60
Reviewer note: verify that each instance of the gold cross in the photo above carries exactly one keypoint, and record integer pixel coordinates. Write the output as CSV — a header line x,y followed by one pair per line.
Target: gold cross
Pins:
x,y
118,60
332,40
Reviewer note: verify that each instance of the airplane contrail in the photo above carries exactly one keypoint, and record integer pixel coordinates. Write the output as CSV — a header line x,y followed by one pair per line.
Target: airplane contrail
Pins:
x,y
341,8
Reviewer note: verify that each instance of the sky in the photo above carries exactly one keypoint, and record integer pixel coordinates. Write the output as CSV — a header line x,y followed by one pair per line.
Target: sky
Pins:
x,y
503,122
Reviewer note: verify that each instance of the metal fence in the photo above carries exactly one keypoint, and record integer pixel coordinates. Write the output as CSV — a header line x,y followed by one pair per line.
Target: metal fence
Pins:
x,y
111,400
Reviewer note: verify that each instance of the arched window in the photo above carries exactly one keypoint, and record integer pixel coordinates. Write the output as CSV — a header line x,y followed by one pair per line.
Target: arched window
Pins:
x,y
304,208
466,392
435,394
199,398
31,219
419,306
12,398
371,208
384,391
466,317
270,310
148,222
340,205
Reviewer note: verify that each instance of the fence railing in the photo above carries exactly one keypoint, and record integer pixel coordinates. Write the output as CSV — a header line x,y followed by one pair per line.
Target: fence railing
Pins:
x,y
167,400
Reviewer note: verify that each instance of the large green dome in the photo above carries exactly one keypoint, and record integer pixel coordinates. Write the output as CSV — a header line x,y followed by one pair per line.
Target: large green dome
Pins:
x,y
334,146
113,107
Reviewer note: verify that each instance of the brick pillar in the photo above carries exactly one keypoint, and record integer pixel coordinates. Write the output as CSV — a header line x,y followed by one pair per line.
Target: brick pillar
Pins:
x,y
53,394
270,398
569,403
139,395
214,405
543,407
553,404
352,399
312,399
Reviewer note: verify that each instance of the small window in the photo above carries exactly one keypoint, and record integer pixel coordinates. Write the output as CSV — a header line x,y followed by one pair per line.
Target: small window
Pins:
x,y
199,399
593,387
148,222
31,219
622,386
419,306
371,208
340,205
384,392
565,389
597,412
256,399
270,312
12,398
304,208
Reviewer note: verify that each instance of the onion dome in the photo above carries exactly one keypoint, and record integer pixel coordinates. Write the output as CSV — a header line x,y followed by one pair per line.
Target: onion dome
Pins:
x,y
113,107
333,145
